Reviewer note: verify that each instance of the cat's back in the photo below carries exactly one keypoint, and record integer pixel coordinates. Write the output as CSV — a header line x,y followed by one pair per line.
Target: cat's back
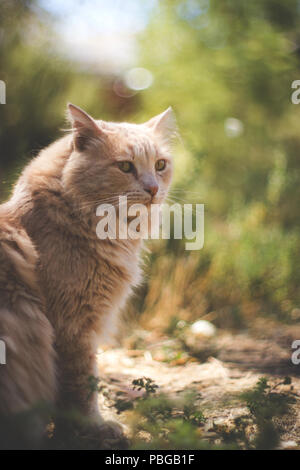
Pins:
x,y
17,256
28,375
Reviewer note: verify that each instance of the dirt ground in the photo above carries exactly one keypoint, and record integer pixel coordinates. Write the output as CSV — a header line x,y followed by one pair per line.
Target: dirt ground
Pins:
x,y
218,369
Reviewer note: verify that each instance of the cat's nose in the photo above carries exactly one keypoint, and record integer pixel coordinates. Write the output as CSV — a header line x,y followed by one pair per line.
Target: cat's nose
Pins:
x,y
151,188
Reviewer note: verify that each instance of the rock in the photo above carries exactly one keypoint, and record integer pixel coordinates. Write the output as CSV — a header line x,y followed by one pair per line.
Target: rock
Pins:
x,y
287,445
203,328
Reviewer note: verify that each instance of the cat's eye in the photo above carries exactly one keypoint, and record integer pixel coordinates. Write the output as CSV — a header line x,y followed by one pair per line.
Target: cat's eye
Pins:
x,y
126,167
160,165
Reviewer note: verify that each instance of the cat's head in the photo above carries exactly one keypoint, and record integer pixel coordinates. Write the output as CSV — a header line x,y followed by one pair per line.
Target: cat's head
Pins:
x,y
113,159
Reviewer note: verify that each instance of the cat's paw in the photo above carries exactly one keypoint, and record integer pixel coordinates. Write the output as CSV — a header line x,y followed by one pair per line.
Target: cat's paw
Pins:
x,y
112,436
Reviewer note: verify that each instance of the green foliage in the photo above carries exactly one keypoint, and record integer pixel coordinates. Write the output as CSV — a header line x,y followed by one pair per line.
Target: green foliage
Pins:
x,y
264,405
161,422
191,411
157,421
215,61
39,83
94,385
164,423
122,404
260,428
226,68
145,383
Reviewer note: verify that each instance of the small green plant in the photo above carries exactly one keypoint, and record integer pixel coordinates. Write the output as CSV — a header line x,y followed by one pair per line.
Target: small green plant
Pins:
x,y
161,422
165,423
264,404
145,383
94,385
156,409
122,403
191,411
258,429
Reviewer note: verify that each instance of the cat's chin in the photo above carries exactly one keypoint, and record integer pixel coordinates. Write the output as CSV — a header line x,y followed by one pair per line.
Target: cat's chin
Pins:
x,y
156,202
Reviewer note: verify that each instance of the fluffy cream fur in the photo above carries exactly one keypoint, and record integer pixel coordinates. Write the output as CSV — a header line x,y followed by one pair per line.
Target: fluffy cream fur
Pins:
x,y
60,286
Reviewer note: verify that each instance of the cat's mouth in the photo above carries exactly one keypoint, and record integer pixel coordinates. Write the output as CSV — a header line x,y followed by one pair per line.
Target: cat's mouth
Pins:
x,y
151,203
155,200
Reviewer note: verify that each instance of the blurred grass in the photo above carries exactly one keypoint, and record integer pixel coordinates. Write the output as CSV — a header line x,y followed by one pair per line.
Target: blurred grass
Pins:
x,y
226,67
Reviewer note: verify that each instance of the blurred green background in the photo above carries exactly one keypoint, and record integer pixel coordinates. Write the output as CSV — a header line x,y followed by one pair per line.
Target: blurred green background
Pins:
x,y
226,67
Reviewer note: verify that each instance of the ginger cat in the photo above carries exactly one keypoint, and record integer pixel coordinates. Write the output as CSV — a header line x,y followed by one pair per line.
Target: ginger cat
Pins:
x,y
61,287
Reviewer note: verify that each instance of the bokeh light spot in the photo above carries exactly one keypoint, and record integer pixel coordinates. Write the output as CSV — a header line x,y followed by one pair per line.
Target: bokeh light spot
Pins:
x,y
138,78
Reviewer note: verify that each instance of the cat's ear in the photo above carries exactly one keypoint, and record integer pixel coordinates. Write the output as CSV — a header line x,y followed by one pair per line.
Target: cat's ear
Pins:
x,y
164,125
83,126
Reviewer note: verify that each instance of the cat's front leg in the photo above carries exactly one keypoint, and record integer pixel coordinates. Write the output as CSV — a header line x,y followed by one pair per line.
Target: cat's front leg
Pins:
x,y
79,391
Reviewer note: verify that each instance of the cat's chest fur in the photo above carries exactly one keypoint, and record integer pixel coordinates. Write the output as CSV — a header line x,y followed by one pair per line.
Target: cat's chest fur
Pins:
x,y
86,281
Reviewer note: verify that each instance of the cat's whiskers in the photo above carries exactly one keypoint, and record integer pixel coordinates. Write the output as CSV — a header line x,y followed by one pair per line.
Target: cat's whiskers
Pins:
x,y
112,200
187,191
96,203
101,199
172,201
181,200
